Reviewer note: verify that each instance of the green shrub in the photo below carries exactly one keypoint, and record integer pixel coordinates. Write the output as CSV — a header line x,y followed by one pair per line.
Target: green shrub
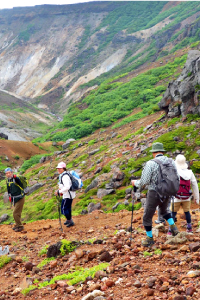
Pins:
x,y
146,253
44,262
67,247
181,146
196,167
4,259
43,250
31,162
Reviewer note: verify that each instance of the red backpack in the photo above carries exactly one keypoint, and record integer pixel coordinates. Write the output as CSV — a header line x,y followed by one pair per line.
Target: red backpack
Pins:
x,y
184,191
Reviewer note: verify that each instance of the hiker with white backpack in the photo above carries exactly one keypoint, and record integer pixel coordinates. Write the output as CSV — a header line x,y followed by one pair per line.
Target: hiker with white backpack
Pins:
x,y
184,194
69,182
161,177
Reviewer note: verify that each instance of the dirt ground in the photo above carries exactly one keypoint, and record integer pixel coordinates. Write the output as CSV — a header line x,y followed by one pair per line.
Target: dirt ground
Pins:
x,y
26,246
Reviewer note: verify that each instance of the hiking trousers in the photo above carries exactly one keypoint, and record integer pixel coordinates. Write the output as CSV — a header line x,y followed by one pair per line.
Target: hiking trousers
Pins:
x,y
152,201
18,206
66,208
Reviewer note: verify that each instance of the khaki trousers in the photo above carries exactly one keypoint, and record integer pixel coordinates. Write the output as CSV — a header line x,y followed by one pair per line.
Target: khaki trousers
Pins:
x,y
18,211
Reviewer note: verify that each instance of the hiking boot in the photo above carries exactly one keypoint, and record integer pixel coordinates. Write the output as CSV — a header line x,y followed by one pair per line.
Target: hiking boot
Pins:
x,y
70,223
147,242
15,227
189,228
160,221
169,232
19,228
174,229
66,222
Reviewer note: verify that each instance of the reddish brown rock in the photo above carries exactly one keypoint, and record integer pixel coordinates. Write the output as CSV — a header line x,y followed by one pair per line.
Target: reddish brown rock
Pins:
x,y
150,292
190,290
28,266
109,283
105,256
194,246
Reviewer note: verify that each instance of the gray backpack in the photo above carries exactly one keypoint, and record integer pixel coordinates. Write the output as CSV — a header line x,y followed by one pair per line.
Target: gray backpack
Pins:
x,y
168,179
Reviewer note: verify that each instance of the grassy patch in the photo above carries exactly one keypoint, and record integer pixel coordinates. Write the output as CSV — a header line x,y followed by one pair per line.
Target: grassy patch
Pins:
x,y
4,259
72,278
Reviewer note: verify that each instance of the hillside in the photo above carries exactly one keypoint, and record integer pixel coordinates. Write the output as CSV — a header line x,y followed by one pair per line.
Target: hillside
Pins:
x,y
21,120
57,49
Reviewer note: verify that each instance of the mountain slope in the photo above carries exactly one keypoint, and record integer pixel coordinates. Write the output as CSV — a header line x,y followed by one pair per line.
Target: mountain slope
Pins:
x,y
50,51
20,120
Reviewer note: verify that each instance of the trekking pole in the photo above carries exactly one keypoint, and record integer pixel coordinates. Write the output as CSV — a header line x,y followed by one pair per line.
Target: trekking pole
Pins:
x,y
59,214
133,201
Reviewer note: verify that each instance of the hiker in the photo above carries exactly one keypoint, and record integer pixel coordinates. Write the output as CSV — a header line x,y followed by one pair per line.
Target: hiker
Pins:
x,y
184,194
16,197
150,177
64,191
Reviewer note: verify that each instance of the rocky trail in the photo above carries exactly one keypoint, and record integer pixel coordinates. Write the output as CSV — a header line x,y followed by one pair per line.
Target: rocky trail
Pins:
x,y
167,270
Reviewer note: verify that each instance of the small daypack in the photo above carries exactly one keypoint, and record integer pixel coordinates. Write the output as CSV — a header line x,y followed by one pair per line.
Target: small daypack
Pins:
x,y
75,180
184,191
24,182
168,179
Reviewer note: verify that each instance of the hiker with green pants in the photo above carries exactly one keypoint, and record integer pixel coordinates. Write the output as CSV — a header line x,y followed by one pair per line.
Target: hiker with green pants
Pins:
x,y
149,178
16,197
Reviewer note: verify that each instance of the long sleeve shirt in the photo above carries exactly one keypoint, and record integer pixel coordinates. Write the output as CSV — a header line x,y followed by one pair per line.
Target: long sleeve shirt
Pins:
x,y
64,186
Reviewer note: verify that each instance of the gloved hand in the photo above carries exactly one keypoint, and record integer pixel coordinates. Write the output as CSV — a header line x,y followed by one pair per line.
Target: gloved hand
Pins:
x,y
10,199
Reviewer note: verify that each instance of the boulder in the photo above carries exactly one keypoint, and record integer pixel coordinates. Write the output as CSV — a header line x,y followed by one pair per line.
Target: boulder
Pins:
x,y
35,187
3,136
114,135
103,192
67,143
181,96
92,206
4,217
94,151
118,176
92,185
54,250
115,206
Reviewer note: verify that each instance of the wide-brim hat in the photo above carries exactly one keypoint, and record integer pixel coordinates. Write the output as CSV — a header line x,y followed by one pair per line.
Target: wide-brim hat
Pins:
x,y
180,162
157,147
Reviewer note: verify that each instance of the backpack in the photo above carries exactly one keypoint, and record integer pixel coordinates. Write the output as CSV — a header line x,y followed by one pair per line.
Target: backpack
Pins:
x,y
168,179
184,191
75,180
24,182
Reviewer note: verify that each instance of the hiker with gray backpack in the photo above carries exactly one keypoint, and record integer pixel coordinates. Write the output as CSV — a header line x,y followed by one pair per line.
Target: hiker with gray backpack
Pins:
x,y
69,182
161,177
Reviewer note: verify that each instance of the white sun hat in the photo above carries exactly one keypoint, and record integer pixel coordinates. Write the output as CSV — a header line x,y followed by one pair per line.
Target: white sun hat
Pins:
x,y
180,162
